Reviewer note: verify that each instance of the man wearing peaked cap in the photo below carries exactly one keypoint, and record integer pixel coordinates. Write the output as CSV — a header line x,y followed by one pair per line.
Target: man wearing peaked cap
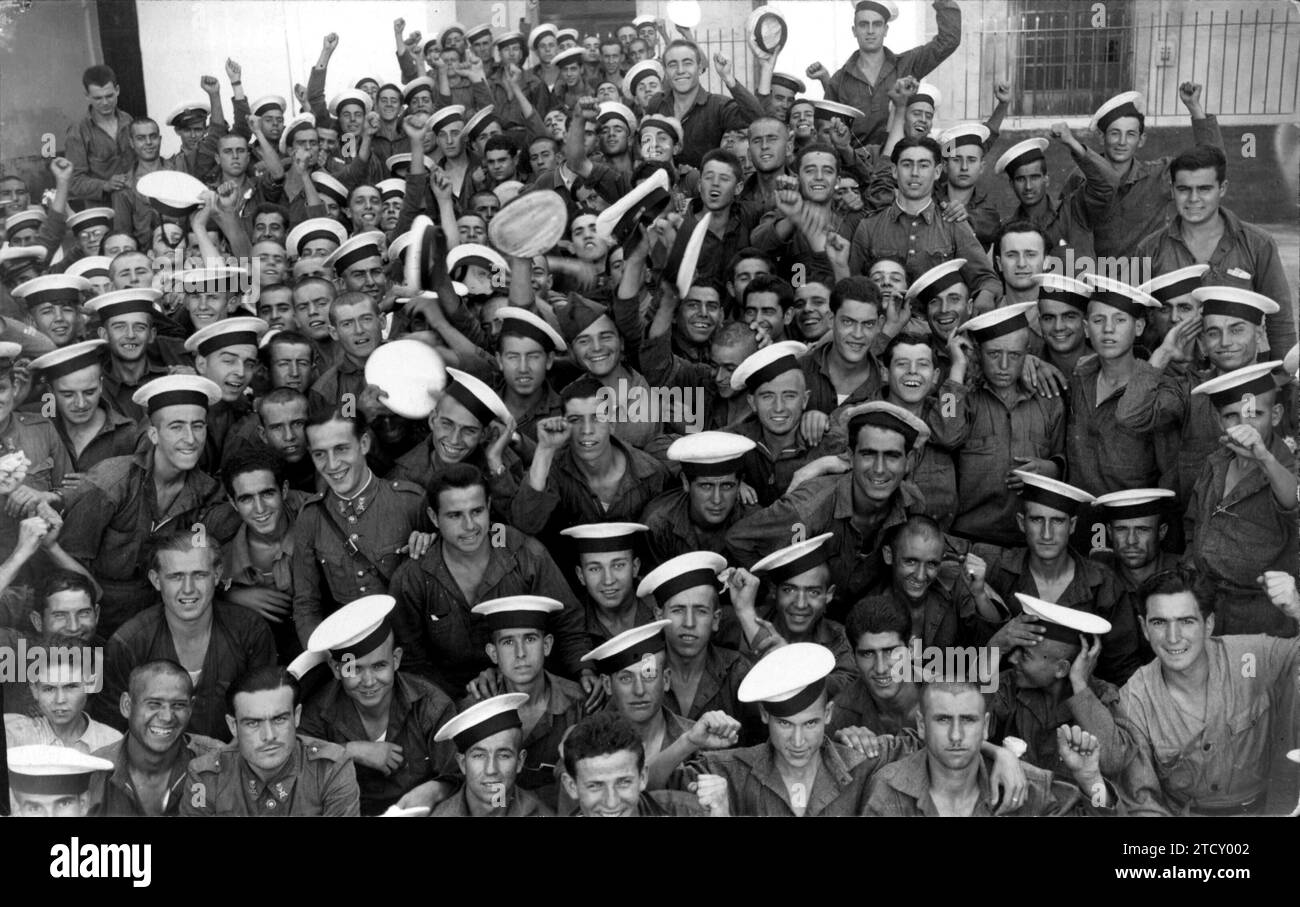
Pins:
x,y
696,516
964,147
190,120
1143,206
1244,255
1020,431
226,353
387,720
636,675
944,296
126,501
785,89
1116,316
1241,512
317,237
92,431
643,81
873,64
488,738
798,770
1047,568
95,270
359,263
1051,683
90,226
210,293
527,346
1062,306
796,592
705,677
52,781
52,304
607,562
127,322
518,643
1173,290
1137,521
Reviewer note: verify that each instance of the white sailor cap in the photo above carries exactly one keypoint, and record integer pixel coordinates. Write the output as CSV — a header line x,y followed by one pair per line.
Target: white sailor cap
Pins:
x,y
313,229
443,116
1133,503
613,110
517,612
602,538
297,124
171,193
356,629
1118,295
267,103
685,571
350,96
176,390
131,301
506,193
225,333
511,37
768,363
540,32
628,648
668,124
766,30
471,393
789,679
955,137
10,351
638,72
519,322
567,32
482,118
643,19
57,770
785,80
530,224
691,254
60,289
926,94
191,113
90,218
396,251
411,373
1234,302
330,186
472,253
1067,290
91,267
1125,104
214,279
886,415
710,453
474,32
483,720
934,281
301,666
886,8
794,560
417,85
28,217
1001,321
1175,283
1291,362
71,358
647,200
1021,153
399,164
1239,384
572,55
11,257
1052,493
834,110
454,27
1061,623
391,188
357,248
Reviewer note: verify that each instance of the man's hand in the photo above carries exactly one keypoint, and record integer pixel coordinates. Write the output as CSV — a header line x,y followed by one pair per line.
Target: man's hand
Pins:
x,y
817,71
118,181
270,604
1245,442
1007,782
486,685
254,124
744,589
722,66
500,439
974,571
440,183
1190,94
1081,753
1002,91
414,127
902,90
61,168
862,739
960,348
953,212
301,160
711,792
399,27
412,41
813,426
553,433
30,533
788,200
382,757
1280,588
837,250
1043,379
210,85
419,544
747,494
1035,465
234,71
1178,343
714,731
228,195
1021,630
1061,132
372,123
1085,662
594,689
330,44
23,500
588,108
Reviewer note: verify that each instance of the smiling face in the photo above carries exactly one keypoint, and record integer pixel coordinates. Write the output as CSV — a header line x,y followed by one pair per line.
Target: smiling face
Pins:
x,y
608,576
599,348
258,502
339,456
462,518
128,336
457,432
1029,182
591,428
77,394
880,462
682,69
609,785
178,433
912,373
207,308
1121,140
357,326
1230,342
368,679
918,120
780,402
230,368
1062,326
817,174
186,581
812,303
1176,630
146,140
877,655
763,308
854,330
915,173
56,321
802,600
159,710
915,558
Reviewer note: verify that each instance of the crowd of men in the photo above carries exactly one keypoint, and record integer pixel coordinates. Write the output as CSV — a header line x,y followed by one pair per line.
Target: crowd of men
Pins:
x,y
793,478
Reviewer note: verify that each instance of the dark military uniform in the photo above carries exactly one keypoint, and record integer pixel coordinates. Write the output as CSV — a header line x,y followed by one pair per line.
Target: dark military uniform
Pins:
x,y
36,437
522,803
118,393
417,710
114,794
318,779
673,532
355,553
117,437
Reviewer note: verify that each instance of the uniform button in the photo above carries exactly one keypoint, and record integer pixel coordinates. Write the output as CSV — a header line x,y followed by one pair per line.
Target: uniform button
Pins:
x,y
1207,747
270,804
352,519
361,573
363,588
1214,786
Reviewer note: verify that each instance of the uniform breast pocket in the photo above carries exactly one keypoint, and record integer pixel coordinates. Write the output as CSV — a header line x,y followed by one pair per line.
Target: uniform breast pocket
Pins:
x,y
1176,773
1248,733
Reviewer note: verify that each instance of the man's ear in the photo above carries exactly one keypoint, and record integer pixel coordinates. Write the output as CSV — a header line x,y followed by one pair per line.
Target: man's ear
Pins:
x,y
103,334
365,443
887,552
200,363
607,684
1275,415
788,316
570,786
1020,522
1142,139
1164,529
230,723
920,725
492,654
297,715
333,331
1209,625
124,705
38,622
1223,190
643,780
155,580
397,657
460,763
548,642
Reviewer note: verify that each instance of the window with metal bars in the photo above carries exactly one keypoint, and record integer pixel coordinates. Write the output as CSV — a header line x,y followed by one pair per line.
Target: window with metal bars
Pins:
x,y
1068,62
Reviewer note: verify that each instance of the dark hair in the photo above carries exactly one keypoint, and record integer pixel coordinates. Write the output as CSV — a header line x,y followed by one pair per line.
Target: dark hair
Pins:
x,y
322,413
453,477
766,283
582,388
1183,578
727,157
164,666
260,679
281,395
98,75
283,337
927,143
909,338
915,524
271,208
601,734
1200,157
855,289
554,142
249,459
1019,226
746,254
940,684
878,614
683,42
62,580
501,142
733,333
815,148
182,540
143,121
